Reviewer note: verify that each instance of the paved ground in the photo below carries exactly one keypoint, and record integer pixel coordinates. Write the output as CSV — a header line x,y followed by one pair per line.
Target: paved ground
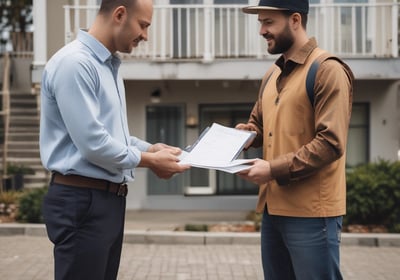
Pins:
x,y
30,258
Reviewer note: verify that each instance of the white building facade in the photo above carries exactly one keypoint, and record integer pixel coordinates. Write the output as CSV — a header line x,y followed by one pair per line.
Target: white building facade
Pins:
x,y
203,63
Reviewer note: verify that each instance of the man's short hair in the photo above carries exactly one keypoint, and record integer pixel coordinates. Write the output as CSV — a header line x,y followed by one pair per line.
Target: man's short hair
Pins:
x,y
108,6
304,17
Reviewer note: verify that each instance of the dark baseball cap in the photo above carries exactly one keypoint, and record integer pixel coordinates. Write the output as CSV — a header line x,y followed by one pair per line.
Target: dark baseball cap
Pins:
x,y
300,6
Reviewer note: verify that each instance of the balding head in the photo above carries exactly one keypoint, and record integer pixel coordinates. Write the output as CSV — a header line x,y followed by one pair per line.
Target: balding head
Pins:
x,y
107,6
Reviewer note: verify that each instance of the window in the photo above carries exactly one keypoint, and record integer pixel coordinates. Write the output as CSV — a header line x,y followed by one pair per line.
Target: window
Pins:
x,y
358,139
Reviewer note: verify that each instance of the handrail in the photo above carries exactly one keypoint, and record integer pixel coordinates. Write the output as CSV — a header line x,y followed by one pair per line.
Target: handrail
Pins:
x,y
5,112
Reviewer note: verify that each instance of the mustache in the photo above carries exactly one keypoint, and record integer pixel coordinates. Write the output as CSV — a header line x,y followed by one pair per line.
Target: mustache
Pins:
x,y
138,39
268,36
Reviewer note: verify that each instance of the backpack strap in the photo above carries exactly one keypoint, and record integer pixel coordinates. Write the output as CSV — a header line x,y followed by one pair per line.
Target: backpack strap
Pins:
x,y
312,73
310,79
265,80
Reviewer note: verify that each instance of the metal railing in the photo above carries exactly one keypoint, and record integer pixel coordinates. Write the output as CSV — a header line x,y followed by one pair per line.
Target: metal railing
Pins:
x,y
207,32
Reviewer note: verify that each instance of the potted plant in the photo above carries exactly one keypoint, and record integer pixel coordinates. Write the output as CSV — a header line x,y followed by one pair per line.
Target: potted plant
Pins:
x,y
17,172
9,202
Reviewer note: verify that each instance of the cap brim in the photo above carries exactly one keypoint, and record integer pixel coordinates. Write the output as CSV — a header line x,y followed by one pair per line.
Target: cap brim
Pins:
x,y
257,9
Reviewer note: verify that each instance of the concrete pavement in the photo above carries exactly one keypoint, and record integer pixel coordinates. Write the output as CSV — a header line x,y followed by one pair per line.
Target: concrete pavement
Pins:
x,y
153,250
30,258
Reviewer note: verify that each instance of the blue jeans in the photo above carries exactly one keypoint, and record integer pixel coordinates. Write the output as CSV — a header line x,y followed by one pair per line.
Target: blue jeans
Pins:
x,y
300,248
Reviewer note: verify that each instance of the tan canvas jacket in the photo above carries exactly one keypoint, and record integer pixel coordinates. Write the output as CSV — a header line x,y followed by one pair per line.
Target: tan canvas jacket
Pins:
x,y
305,143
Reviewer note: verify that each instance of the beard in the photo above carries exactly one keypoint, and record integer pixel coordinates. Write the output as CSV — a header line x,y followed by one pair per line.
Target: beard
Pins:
x,y
283,41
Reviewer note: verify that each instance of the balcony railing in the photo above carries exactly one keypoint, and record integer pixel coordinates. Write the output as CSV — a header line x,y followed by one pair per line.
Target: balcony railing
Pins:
x,y
208,32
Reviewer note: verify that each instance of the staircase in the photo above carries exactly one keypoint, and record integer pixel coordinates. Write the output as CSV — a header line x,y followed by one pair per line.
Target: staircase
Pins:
x,y
23,137
20,108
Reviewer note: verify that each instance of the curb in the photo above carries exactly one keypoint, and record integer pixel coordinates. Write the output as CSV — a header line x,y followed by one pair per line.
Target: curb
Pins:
x,y
192,238
206,238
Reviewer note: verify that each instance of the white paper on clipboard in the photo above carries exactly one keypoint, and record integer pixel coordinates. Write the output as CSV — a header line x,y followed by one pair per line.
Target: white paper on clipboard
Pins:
x,y
217,148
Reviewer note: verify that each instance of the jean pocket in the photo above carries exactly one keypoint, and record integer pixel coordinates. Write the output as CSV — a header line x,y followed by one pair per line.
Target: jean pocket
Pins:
x,y
65,209
339,221
83,205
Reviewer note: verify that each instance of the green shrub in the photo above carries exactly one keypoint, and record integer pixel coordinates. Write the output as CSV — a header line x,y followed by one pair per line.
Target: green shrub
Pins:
x,y
256,218
30,205
196,227
19,169
10,197
373,195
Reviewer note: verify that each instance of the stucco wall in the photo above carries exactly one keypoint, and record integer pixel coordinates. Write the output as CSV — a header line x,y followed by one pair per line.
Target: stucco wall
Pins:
x,y
384,115
383,97
55,26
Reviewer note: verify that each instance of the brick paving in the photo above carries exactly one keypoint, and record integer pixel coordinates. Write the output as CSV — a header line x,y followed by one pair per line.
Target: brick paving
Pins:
x,y
30,258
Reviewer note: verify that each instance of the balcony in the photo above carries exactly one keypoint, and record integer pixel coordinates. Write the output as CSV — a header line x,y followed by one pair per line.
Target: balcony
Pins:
x,y
206,33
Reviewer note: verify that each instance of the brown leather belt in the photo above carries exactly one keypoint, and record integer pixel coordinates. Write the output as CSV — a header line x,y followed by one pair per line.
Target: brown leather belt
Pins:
x,y
91,183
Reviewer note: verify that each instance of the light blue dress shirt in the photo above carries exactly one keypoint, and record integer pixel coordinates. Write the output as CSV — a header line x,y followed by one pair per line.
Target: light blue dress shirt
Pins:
x,y
83,126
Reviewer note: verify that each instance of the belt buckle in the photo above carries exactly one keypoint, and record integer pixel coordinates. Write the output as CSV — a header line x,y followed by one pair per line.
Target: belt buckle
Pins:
x,y
122,190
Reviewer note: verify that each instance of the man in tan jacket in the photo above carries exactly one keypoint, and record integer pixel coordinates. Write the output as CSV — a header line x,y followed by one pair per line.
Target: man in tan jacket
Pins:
x,y
303,134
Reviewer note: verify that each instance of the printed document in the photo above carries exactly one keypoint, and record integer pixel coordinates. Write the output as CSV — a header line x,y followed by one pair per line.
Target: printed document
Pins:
x,y
217,148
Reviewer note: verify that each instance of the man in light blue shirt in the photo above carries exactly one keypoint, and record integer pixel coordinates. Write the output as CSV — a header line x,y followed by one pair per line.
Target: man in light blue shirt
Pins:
x,y
85,143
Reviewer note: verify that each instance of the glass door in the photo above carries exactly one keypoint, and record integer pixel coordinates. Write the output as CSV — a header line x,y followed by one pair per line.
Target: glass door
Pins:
x,y
165,124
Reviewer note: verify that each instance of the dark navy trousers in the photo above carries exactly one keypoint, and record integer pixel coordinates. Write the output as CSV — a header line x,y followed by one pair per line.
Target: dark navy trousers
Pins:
x,y
86,227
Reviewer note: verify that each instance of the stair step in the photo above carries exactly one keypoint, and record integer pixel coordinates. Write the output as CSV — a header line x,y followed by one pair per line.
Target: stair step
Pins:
x,y
35,166
23,137
22,94
18,160
17,147
16,92
27,122
23,100
25,118
24,134
21,146
23,104
37,180
25,143
24,111
12,151
23,124
23,153
30,129
39,173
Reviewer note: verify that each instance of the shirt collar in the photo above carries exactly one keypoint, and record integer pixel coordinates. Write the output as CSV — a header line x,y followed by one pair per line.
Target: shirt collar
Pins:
x,y
98,49
301,56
